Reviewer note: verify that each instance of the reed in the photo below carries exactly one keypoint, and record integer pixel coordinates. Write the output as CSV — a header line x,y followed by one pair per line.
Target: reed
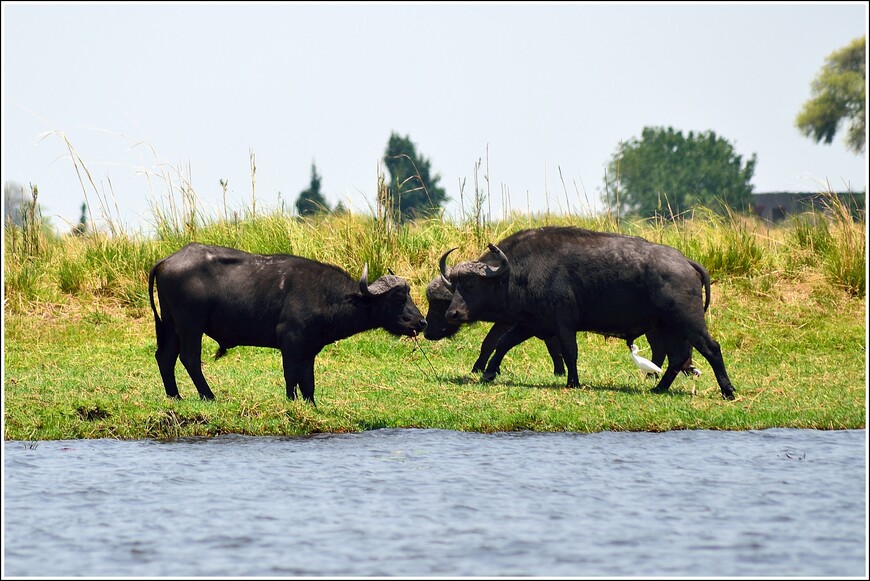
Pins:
x,y
38,268
788,307
79,345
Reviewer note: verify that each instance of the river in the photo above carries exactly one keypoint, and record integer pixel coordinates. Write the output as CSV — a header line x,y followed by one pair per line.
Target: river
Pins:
x,y
402,502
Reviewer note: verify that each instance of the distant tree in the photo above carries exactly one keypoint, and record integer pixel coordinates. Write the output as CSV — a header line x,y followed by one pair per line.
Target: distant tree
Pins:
x,y
839,94
667,172
311,201
82,227
30,229
340,208
14,200
414,189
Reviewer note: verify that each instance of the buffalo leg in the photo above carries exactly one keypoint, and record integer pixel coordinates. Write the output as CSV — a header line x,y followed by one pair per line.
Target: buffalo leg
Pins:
x,y
488,345
191,358
168,348
656,343
497,331
306,381
711,351
555,351
678,351
688,368
292,373
568,343
508,341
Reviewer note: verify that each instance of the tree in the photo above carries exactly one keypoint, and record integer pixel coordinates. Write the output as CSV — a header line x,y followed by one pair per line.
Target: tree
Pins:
x,y
340,209
82,227
21,210
14,200
838,94
415,191
22,218
667,172
311,201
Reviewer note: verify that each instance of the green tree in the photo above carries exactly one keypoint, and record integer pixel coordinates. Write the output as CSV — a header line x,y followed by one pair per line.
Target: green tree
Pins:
x,y
14,203
82,227
23,219
839,93
340,209
311,201
666,172
414,190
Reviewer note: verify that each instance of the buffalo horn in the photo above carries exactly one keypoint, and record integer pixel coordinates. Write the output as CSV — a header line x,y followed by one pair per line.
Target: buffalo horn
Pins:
x,y
502,268
364,282
445,272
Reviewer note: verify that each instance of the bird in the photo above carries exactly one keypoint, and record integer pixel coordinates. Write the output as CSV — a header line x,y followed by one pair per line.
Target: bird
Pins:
x,y
643,364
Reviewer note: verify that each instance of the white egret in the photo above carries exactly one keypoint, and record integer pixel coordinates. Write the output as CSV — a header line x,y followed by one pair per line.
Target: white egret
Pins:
x,y
644,364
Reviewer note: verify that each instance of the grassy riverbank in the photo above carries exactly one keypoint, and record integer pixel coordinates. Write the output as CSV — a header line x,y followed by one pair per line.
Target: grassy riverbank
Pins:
x,y
788,308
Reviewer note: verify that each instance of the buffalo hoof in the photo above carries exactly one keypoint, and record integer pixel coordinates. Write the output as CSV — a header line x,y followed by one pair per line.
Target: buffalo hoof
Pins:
x,y
488,376
207,396
559,372
729,395
659,390
477,369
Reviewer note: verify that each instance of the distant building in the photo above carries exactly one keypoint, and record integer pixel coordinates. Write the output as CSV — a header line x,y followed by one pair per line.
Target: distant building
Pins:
x,y
776,206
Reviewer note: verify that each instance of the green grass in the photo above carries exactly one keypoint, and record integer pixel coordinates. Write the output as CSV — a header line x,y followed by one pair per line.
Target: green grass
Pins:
x,y
788,308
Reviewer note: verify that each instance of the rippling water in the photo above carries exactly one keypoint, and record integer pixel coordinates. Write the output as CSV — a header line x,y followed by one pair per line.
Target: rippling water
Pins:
x,y
441,503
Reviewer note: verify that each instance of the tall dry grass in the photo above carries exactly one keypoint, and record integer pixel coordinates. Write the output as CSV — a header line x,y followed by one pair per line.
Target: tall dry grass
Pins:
x,y
826,247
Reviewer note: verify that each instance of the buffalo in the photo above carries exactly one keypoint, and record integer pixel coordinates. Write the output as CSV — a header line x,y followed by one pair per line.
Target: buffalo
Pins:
x,y
438,327
561,280
285,302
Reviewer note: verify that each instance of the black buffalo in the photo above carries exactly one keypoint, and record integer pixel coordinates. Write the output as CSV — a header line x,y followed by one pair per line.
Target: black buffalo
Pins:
x,y
438,327
290,303
560,280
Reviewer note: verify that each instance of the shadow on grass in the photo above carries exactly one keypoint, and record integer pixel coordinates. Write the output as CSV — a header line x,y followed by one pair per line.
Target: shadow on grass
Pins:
x,y
463,380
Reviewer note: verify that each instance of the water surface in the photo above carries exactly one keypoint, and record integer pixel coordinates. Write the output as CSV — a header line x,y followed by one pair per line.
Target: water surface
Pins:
x,y
441,503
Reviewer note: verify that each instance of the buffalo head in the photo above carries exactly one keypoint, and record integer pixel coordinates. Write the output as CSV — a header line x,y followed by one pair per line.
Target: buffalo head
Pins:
x,y
439,298
389,299
479,287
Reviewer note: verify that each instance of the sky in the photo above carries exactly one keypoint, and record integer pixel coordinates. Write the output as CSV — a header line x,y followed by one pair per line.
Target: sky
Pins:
x,y
530,101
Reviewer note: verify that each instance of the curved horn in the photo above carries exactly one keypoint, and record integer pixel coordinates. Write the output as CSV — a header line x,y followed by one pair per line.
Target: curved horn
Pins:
x,y
503,268
364,282
445,272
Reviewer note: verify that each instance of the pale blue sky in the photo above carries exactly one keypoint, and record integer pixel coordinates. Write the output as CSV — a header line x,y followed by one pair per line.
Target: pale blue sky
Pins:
x,y
144,91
